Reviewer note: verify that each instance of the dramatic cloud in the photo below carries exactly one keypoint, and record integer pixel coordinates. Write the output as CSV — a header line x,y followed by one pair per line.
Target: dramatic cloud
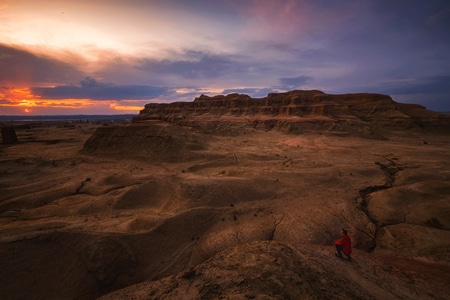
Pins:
x,y
4,101
91,89
89,82
20,66
192,65
295,82
172,50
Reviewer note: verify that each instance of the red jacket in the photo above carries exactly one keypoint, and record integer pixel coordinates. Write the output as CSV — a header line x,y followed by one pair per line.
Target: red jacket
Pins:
x,y
346,244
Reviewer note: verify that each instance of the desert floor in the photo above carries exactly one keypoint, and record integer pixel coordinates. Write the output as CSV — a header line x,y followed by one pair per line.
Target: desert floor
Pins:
x,y
221,219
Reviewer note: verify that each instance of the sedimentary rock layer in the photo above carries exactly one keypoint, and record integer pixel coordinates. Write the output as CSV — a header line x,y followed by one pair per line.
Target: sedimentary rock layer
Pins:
x,y
296,110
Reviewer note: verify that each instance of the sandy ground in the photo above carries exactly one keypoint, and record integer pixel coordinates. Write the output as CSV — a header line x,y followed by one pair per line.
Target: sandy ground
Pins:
x,y
230,216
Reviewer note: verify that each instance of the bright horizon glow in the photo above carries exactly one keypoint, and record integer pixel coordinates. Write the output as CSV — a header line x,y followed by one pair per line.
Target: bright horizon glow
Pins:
x,y
26,102
109,55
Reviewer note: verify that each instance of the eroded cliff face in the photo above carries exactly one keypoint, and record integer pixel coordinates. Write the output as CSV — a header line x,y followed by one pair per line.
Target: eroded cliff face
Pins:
x,y
296,110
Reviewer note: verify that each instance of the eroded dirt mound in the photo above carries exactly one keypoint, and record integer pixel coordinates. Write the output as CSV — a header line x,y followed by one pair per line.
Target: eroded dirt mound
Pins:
x,y
271,270
151,141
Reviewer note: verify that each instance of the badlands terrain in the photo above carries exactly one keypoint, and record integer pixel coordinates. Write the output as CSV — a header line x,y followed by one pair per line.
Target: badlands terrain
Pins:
x,y
230,197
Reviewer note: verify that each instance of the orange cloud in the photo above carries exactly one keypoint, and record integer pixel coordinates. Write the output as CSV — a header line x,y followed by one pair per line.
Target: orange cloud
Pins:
x,y
24,99
129,108
19,97
22,93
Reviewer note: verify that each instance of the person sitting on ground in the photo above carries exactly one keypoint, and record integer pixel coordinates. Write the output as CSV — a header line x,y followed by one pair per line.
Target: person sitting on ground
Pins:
x,y
344,245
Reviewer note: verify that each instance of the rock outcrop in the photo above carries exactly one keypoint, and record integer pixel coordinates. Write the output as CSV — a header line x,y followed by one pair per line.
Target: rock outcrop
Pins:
x,y
297,110
9,135
159,141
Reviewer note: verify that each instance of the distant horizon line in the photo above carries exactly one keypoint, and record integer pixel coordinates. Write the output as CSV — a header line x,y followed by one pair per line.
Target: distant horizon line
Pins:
x,y
65,115
62,116
6,118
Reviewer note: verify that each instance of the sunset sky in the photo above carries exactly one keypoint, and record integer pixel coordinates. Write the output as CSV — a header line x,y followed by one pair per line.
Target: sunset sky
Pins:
x,y
113,56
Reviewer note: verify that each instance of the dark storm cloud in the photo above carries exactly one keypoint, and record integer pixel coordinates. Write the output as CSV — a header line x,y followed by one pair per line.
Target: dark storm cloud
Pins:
x,y
192,64
89,82
91,89
19,66
295,82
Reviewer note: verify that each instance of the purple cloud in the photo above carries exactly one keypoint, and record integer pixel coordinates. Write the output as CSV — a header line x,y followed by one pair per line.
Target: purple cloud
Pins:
x,y
20,66
91,89
295,82
192,64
